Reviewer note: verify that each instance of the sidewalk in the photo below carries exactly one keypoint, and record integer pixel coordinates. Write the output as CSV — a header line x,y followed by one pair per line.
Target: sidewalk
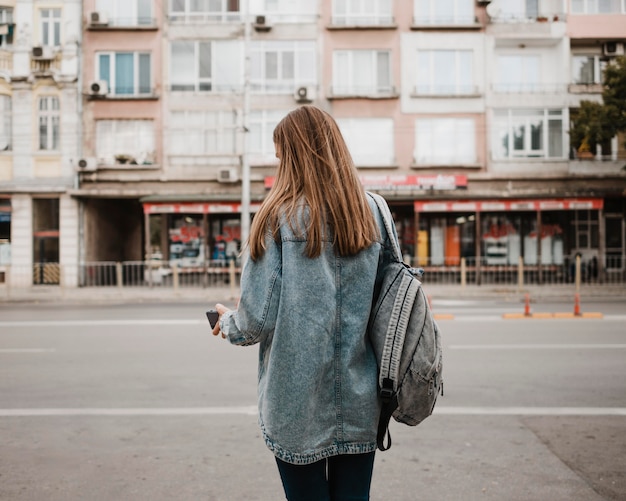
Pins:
x,y
227,294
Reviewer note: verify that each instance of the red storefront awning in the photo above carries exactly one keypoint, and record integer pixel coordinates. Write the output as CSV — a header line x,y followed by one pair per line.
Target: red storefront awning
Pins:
x,y
196,207
508,205
397,182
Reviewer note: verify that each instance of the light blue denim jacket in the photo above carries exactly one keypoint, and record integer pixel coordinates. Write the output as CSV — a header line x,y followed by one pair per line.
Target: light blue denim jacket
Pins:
x,y
317,381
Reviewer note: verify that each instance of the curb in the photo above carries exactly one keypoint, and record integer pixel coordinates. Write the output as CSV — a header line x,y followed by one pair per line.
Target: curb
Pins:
x,y
543,316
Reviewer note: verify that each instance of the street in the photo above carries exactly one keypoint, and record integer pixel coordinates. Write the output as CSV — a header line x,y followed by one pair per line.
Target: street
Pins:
x,y
140,401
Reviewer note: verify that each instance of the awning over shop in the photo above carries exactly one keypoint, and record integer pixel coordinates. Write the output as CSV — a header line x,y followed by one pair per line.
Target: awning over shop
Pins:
x,y
398,182
508,205
196,207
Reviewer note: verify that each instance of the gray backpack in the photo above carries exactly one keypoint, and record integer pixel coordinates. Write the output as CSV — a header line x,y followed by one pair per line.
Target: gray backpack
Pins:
x,y
406,340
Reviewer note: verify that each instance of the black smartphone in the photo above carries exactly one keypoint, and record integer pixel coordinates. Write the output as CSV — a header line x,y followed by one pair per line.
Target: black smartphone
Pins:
x,y
212,316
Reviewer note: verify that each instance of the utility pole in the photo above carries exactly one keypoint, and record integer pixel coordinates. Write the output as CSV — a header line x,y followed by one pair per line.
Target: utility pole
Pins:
x,y
245,162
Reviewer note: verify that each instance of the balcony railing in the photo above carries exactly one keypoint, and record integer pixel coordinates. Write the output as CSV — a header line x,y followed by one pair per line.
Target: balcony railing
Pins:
x,y
363,91
529,88
446,90
373,20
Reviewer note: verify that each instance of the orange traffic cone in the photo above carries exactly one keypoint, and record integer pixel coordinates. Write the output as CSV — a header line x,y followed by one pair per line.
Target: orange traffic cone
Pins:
x,y
527,305
577,305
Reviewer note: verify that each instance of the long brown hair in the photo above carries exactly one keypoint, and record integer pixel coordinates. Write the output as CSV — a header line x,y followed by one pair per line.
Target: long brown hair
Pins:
x,y
315,169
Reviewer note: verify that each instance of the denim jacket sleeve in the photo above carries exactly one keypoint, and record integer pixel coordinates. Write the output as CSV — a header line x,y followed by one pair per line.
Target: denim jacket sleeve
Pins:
x,y
255,317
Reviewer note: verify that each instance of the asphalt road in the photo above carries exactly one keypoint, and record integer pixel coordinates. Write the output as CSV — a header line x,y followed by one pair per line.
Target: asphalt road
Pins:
x,y
134,402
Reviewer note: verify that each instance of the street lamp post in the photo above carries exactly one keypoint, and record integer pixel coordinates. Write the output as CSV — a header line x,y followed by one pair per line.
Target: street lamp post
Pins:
x,y
245,162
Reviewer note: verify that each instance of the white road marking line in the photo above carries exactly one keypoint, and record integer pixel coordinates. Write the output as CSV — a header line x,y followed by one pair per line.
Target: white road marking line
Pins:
x,y
532,411
252,410
27,350
87,322
536,346
174,411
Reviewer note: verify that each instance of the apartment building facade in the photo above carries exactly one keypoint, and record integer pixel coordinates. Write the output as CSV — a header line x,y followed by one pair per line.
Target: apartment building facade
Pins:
x,y
39,138
457,111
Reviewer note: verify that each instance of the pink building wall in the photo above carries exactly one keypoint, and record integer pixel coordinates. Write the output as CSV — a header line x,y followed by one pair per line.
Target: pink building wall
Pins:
x,y
126,39
597,26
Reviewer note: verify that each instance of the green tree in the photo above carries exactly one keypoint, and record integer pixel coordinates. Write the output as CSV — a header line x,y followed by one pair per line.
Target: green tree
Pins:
x,y
594,123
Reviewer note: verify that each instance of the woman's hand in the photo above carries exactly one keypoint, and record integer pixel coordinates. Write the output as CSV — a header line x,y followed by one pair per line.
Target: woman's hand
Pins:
x,y
221,309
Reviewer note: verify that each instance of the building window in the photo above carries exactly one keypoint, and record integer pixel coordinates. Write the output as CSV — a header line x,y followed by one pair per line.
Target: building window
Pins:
x,y
444,72
125,142
518,73
519,9
51,27
5,123
49,117
439,12
362,73
204,10
261,145
126,12
598,6
46,241
362,12
126,73
587,69
7,27
445,141
203,133
207,66
528,133
282,66
285,11
379,148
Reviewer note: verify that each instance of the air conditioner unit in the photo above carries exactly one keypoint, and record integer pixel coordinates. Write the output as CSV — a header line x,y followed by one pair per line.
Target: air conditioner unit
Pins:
x,y
227,175
87,164
99,88
42,53
613,49
98,19
261,24
304,94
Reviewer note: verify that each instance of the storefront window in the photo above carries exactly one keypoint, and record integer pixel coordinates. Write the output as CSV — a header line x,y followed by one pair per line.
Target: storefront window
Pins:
x,y
5,231
46,241
186,245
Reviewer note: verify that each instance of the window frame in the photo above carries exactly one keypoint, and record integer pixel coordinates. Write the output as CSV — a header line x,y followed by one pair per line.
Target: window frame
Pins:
x,y
187,15
49,122
112,8
458,18
598,69
224,131
523,85
50,25
509,120
457,87
349,89
357,13
588,10
435,124
109,157
200,81
298,49
6,121
380,138
137,77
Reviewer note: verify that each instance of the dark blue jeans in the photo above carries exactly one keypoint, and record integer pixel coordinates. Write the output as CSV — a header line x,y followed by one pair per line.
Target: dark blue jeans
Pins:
x,y
346,477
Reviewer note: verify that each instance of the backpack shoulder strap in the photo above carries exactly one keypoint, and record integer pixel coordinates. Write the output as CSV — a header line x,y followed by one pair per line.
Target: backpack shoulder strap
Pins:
x,y
383,208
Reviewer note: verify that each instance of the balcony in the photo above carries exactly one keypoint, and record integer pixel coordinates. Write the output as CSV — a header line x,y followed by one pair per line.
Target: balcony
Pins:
x,y
513,26
445,91
362,92
585,88
529,88
6,64
446,23
362,22
102,22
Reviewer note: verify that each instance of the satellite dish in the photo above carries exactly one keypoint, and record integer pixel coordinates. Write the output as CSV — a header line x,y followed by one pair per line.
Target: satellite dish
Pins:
x,y
493,9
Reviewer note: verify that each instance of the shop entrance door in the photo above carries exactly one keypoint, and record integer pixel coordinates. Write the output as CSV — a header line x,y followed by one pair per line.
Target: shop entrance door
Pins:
x,y
615,238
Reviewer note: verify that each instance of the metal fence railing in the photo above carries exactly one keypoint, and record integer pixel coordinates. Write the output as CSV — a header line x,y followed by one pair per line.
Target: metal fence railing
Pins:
x,y
218,273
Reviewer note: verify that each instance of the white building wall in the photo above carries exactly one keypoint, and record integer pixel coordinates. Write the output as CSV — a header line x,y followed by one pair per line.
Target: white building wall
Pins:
x,y
21,240
68,240
414,41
